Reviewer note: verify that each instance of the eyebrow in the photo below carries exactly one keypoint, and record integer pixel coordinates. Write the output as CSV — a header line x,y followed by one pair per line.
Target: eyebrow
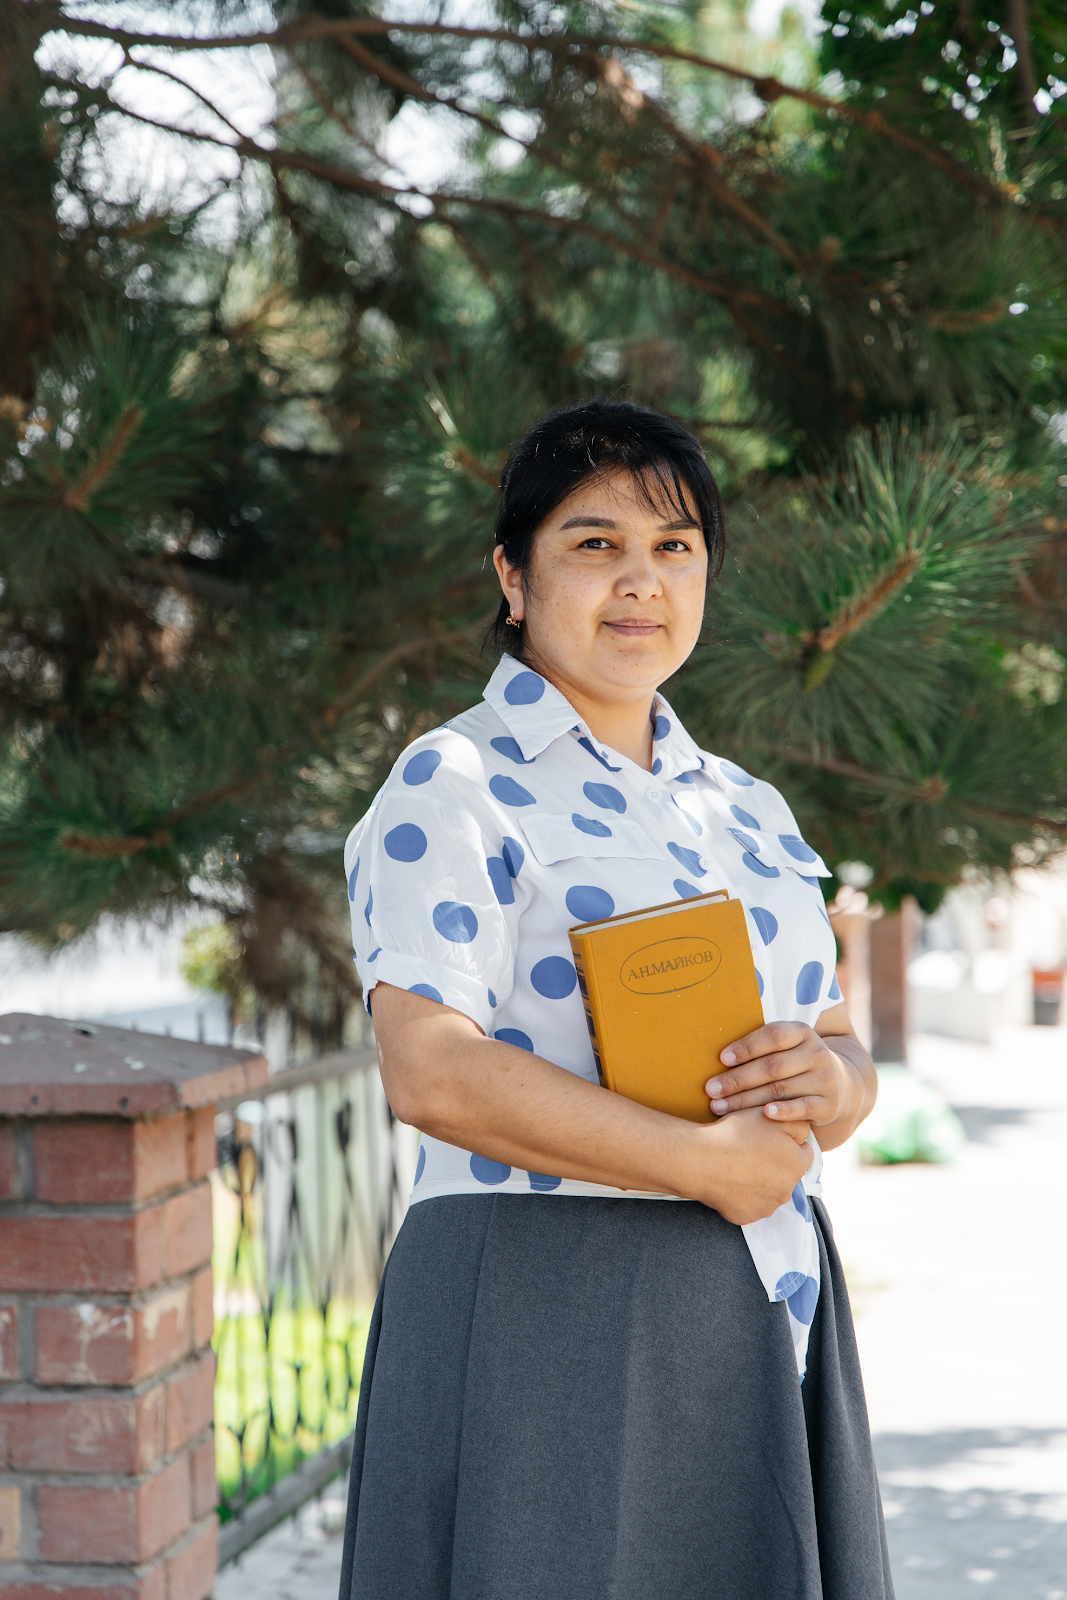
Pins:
x,y
608,522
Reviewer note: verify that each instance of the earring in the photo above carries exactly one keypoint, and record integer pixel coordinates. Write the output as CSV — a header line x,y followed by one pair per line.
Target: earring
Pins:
x,y
514,622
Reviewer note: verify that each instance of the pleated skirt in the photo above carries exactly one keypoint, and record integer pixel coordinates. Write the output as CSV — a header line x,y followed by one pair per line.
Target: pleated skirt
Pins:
x,y
592,1399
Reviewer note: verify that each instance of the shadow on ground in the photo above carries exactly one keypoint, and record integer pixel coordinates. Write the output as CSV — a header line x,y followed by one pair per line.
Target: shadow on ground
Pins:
x,y
981,1122
976,1512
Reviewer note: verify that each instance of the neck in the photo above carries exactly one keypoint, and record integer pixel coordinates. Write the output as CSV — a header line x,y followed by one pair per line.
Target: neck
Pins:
x,y
626,726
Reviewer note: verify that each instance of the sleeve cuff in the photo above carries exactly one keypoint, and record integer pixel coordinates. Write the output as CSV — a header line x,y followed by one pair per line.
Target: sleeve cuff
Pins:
x,y
434,981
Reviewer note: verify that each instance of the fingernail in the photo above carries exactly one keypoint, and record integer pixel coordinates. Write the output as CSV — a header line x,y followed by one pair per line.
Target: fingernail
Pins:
x,y
720,1107
727,1058
714,1088
772,1111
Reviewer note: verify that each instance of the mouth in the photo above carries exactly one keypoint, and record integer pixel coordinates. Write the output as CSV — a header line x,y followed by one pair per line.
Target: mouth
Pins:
x,y
633,627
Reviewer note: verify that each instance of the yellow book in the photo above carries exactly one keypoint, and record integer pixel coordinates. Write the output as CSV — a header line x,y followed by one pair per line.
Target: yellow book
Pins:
x,y
665,989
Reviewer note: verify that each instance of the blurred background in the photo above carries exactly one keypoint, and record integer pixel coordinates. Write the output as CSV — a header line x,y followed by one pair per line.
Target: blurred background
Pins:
x,y
279,285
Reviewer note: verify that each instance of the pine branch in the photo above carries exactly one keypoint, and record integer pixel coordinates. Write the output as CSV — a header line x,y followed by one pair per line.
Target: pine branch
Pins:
x,y
76,496
769,89
859,609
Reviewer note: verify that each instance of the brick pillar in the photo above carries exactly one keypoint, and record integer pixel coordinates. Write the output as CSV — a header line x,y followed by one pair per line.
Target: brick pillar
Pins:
x,y
892,940
107,1463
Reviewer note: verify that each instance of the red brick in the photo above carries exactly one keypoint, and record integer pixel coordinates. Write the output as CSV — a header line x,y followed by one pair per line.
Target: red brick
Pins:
x,y
112,1343
91,1433
187,1227
9,1166
191,1402
123,1522
109,1254
146,1585
100,1160
191,1572
9,1343
201,1151
203,1308
204,1483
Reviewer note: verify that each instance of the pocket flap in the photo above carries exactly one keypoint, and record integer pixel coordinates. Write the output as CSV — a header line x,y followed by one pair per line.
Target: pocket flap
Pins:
x,y
564,836
782,850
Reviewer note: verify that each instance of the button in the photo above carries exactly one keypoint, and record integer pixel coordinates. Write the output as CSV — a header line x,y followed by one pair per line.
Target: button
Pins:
x,y
653,794
702,861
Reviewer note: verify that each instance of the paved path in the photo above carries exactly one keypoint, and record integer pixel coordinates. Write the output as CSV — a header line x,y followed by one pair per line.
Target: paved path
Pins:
x,y
960,1294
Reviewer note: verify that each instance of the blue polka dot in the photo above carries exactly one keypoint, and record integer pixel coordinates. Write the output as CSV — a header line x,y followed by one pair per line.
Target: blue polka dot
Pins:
x,y
745,818
374,954
809,983
455,922
597,755
657,767
524,689
684,777
554,978
687,859
420,1167
405,843
369,907
492,999
500,878
685,891
744,839
599,830
510,793
813,881
514,855
800,1201
802,1301
661,727
516,1037
763,868
835,990
421,768
589,904
506,746
796,847
489,1172
788,1284
541,1183
765,921
736,774
605,795
428,992
352,876
759,981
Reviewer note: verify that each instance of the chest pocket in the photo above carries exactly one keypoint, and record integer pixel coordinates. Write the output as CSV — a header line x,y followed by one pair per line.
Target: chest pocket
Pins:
x,y
565,836
780,853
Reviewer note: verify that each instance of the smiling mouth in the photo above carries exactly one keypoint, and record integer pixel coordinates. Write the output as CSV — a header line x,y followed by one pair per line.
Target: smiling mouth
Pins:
x,y
634,627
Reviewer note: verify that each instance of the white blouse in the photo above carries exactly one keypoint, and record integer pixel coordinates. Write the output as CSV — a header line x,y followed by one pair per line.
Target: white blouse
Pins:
x,y
497,832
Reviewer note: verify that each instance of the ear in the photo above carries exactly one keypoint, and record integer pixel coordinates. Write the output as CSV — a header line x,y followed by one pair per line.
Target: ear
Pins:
x,y
510,583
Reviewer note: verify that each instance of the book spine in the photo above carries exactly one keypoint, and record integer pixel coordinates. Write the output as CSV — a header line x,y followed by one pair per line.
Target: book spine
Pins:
x,y
590,1022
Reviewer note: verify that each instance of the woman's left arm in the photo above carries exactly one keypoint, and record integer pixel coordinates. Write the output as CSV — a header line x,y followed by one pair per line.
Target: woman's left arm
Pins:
x,y
821,1075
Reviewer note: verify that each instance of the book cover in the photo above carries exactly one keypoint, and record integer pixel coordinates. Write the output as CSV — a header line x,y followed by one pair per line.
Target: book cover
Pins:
x,y
665,989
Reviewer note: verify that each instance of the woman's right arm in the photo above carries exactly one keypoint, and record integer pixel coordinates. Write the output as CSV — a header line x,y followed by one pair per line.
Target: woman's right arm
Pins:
x,y
445,1077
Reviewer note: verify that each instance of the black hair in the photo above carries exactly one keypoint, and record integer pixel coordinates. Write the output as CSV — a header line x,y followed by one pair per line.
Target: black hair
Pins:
x,y
568,448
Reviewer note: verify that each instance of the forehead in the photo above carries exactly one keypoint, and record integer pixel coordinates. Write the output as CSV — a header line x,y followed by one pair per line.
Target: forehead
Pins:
x,y
621,496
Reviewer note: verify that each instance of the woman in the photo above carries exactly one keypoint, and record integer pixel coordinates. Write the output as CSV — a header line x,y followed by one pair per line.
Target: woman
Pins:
x,y
575,1386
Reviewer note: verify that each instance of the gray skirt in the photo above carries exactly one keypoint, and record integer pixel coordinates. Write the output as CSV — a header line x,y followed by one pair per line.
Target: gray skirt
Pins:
x,y
584,1399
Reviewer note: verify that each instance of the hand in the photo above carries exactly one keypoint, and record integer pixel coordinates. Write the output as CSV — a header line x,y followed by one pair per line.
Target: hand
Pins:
x,y
790,1070
756,1166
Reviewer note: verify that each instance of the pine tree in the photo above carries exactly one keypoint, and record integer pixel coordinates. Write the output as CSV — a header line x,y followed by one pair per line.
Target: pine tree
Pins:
x,y
253,440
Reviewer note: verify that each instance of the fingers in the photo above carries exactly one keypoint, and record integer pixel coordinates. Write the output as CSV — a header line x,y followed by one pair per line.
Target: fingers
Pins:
x,y
764,1042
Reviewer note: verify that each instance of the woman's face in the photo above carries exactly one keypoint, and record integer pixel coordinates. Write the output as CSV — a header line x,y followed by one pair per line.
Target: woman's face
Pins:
x,y
615,591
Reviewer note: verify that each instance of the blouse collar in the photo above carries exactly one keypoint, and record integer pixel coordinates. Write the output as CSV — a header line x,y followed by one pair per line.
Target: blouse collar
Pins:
x,y
536,714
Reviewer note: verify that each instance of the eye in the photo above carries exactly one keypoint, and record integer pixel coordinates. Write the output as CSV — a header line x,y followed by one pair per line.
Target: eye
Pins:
x,y
596,542
675,544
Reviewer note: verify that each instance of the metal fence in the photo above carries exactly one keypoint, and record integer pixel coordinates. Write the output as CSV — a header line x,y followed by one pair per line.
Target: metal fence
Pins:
x,y
312,1181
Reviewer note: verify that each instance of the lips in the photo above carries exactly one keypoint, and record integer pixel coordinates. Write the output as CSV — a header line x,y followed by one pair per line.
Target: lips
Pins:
x,y
638,627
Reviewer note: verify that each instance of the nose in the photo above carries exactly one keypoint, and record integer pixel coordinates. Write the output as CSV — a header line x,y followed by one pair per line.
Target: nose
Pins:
x,y
638,579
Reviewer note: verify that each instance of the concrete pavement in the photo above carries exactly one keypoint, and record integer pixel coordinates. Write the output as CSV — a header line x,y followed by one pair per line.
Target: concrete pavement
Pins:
x,y
959,1284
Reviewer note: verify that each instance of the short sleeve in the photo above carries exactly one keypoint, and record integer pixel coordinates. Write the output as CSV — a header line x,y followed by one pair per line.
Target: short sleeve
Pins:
x,y
429,910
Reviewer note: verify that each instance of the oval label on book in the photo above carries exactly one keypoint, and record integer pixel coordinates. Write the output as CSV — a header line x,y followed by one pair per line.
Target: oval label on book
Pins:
x,y
671,964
